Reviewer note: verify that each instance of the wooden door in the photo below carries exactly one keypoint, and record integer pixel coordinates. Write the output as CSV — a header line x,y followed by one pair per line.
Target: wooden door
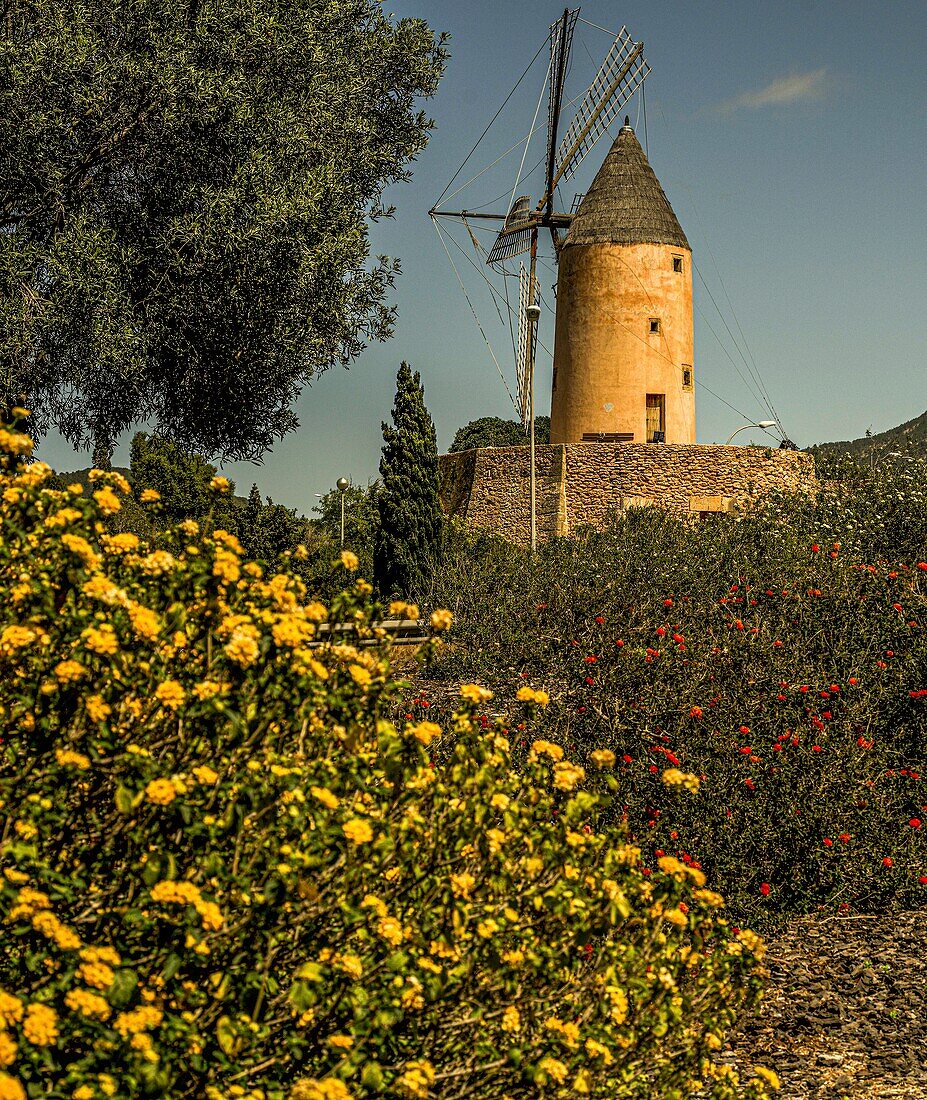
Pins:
x,y
656,408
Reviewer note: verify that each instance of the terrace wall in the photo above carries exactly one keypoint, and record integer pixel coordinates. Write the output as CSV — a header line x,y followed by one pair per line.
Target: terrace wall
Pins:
x,y
582,483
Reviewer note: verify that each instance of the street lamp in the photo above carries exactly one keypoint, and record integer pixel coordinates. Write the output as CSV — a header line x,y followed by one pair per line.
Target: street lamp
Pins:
x,y
533,313
342,485
759,424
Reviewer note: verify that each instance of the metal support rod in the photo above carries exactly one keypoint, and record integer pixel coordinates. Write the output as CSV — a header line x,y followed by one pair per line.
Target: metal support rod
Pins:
x,y
533,311
342,521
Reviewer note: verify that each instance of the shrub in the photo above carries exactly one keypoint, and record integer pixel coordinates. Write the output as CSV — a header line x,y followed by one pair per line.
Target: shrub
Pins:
x,y
781,657
227,872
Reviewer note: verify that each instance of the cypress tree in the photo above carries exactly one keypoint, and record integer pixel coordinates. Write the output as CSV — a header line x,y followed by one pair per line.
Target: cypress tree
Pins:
x,y
411,521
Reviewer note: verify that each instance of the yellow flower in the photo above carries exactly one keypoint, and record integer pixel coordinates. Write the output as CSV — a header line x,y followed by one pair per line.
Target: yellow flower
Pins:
x,y
342,1042
206,689
10,1088
603,758
462,884
87,1004
417,1079
752,942
170,694
475,694
96,974
68,758
96,708
768,1075
676,917
242,647
69,672
567,775
15,443
529,695
145,622
82,549
349,560
149,496
137,1020
100,639
16,637
425,732
292,631
122,543
619,1003
161,792
226,566
205,775
82,1092
350,964
371,901
555,752
709,898
11,1008
360,675
220,484
554,1069
328,799
358,831
673,777
441,620
511,1019
7,1049
486,929
391,930
328,1089
595,1049
107,500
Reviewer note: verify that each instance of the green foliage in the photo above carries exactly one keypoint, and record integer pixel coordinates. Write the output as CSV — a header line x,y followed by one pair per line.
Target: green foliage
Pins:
x,y
269,530
227,872
184,201
181,477
491,431
780,656
408,541
361,519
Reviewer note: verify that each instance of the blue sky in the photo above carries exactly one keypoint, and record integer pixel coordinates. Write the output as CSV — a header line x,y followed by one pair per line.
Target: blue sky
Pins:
x,y
791,139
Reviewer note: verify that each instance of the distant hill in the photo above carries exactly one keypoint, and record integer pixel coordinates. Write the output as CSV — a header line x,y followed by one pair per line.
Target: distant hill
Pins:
x,y
907,439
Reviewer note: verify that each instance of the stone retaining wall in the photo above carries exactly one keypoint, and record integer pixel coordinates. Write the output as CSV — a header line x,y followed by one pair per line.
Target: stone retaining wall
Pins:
x,y
581,483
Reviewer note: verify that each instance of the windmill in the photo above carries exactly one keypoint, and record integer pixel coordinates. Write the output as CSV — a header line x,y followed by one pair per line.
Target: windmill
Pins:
x,y
621,73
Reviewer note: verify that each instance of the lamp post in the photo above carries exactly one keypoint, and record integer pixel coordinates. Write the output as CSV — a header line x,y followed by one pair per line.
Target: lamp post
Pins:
x,y
533,313
342,486
759,424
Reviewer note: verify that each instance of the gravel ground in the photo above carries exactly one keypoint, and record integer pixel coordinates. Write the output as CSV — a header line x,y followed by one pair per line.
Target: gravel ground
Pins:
x,y
845,1010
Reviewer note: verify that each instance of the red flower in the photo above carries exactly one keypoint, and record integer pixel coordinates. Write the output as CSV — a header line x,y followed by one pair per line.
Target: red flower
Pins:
x,y
654,768
828,843
619,643
896,607
695,712
777,644
744,729
626,758
591,659
845,837
923,880
660,631
915,822
852,680
814,548
764,889
667,603
816,748
599,619
888,862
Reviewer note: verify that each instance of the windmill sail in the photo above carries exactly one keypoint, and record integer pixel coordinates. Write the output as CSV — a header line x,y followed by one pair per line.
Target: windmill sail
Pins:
x,y
561,42
622,73
515,236
526,332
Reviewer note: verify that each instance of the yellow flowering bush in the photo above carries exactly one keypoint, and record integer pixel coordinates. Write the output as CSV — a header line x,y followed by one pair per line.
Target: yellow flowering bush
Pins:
x,y
228,868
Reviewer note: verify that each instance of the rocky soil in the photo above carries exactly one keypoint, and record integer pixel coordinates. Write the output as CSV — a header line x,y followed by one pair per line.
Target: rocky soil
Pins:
x,y
845,1011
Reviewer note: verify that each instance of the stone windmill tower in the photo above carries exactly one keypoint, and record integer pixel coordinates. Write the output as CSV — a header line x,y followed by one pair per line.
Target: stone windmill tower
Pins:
x,y
623,352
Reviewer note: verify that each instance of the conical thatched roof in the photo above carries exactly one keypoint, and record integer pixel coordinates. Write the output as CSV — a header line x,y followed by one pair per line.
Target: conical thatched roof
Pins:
x,y
626,204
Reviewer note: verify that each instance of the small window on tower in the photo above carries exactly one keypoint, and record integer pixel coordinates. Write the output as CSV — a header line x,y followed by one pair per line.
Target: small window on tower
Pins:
x,y
686,377
677,264
654,326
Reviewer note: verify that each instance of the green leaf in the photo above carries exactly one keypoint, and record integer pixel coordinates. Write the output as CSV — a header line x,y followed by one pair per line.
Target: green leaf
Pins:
x,y
125,803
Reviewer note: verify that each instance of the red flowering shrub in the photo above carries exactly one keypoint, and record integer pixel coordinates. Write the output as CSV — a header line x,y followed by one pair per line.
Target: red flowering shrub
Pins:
x,y
808,723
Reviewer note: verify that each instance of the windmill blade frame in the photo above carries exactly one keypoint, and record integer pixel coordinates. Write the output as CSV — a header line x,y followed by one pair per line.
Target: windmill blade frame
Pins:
x,y
622,72
561,44
526,332
514,238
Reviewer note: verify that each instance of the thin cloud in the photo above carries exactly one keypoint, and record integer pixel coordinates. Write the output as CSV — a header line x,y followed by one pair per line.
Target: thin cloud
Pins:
x,y
781,93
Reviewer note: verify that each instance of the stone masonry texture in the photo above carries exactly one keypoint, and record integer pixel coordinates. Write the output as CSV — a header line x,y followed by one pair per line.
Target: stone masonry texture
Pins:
x,y
582,484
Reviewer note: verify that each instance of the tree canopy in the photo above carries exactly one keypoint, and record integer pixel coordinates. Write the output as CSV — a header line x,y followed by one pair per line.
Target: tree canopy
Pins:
x,y
185,192
408,538
491,431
